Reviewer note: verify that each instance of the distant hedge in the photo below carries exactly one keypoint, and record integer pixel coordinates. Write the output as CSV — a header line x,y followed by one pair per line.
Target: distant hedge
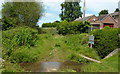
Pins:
x,y
106,40
75,27
54,24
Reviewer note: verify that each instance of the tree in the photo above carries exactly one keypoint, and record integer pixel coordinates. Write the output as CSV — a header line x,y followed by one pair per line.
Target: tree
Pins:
x,y
102,12
23,13
70,10
117,10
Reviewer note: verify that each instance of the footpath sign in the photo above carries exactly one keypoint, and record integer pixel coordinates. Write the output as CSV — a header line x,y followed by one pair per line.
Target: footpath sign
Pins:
x,y
91,39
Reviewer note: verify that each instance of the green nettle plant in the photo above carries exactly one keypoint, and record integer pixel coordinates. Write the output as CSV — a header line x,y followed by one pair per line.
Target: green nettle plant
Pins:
x,y
106,40
22,36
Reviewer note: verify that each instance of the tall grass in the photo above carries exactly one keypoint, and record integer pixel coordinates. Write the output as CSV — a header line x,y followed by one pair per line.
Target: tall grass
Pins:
x,y
108,65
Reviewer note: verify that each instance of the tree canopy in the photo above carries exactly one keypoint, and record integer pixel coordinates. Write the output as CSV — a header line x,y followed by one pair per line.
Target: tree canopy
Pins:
x,y
21,13
102,12
70,10
117,10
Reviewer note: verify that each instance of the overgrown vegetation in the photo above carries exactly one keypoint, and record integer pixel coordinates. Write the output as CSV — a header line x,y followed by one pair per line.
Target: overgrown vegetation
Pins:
x,y
108,65
106,40
75,27
14,38
10,67
49,30
79,43
54,24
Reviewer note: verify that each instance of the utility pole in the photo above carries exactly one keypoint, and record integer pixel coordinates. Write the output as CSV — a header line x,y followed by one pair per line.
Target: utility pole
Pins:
x,y
119,15
84,8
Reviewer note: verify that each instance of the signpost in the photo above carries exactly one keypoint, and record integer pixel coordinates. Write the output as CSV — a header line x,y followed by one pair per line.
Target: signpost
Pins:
x,y
91,40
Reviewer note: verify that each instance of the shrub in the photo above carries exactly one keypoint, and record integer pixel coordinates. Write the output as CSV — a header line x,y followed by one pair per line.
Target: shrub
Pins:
x,y
22,36
24,55
106,40
75,27
54,24
8,23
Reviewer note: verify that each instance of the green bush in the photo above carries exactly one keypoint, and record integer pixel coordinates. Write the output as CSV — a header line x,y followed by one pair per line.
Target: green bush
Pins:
x,y
54,24
75,27
24,55
21,36
106,40
8,23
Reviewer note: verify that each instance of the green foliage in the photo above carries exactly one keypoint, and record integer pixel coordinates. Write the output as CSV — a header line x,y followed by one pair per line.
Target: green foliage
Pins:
x,y
49,30
22,36
75,27
24,55
106,40
21,13
102,12
70,10
79,44
8,23
10,67
68,70
77,58
108,65
54,24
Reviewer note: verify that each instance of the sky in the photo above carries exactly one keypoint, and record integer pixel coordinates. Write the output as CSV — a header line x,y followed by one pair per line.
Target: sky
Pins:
x,y
52,8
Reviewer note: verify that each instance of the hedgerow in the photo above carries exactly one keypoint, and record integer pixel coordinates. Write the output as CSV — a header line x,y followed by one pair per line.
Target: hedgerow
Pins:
x,y
75,27
106,40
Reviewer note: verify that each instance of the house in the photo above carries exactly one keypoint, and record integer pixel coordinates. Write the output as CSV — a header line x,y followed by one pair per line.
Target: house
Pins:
x,y
115,15
99,22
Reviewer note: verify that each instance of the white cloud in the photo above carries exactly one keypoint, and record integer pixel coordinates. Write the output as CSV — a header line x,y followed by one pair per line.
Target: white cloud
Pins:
x,y
88,14
49,15
55,6
98,5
